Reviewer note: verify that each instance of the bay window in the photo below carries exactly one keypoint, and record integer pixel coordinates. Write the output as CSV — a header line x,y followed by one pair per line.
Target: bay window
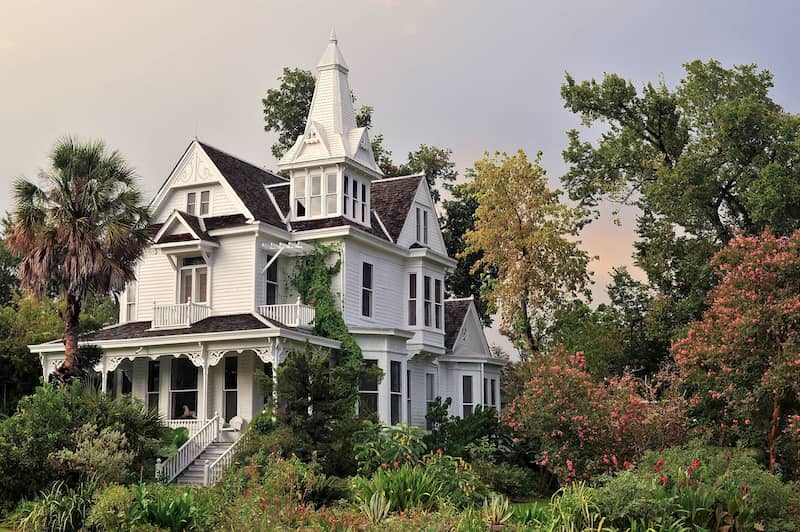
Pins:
x,y
437,308
412,299
428,302
368,390
395,392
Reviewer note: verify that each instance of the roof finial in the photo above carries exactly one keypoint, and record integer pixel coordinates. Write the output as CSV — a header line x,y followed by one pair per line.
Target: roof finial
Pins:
x,y
332,37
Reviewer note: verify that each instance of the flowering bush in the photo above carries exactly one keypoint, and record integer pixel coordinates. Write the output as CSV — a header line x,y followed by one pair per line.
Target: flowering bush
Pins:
x,y
581,426
740,363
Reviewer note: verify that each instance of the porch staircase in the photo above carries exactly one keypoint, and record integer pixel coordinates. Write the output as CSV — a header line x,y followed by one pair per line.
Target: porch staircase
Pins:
x,y
195,473
202,459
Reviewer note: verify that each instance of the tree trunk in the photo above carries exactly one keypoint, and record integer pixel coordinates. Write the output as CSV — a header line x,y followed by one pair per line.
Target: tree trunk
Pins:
x,y
773,432
71,323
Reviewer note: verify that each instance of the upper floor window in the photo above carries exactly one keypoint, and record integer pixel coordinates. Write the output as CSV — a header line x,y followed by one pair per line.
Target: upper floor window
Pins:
x,y
315,195
363,202
346,195
366,289
428,300
355,199
193,280
271,276
437,309
412,299
130,311
422,225
331,186
204,206
300,196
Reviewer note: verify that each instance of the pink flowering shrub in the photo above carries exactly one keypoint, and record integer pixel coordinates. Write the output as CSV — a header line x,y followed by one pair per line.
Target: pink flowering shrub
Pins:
x,y
579,425
740,365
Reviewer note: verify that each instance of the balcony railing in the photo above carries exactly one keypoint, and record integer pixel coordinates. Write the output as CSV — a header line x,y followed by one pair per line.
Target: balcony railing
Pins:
x,y
291,315
179,315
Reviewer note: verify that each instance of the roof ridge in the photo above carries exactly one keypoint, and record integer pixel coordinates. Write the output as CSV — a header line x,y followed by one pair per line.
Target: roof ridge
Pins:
x,y
469,298
385,179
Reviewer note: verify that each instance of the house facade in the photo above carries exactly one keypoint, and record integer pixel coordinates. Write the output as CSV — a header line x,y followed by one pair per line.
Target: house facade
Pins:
x,y
212,306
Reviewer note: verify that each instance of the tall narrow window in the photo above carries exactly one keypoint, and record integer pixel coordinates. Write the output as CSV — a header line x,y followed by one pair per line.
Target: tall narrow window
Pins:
x,y
271,276
368,391
355,200
300,196
130,310
345,195
412,299
408,396
430,397
426,292
437,308
363,203
183,389
205,202
366,289
191,202
193,280
395,391
493,393
316,195
231,387
153,383
485,391
331,182
425,227
466,396
419,224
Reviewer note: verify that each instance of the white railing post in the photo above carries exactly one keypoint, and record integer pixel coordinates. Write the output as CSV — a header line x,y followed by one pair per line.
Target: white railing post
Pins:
x,y
190,450
159,467
205,473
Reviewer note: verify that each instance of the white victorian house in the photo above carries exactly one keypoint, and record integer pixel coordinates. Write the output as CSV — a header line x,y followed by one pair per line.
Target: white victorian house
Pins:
x,y
212,305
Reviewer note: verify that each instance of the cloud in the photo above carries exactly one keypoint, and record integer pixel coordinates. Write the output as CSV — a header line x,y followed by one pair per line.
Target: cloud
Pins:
x,y
7,44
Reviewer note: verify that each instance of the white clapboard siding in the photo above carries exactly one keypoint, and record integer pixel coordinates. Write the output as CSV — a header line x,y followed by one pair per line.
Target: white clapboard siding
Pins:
x,y
157,283
387,292
232,275
221,203
419,405
408,235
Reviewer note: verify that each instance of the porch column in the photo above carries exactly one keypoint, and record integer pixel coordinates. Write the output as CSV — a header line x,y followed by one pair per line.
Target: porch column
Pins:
x,y
204,414
103,377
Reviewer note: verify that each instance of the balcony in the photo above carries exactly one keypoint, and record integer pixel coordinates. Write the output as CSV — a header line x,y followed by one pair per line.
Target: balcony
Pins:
x,y
291,315
179,315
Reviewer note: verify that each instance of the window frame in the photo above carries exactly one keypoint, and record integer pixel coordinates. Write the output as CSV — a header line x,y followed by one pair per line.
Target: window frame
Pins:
x,y
173,391
438,304
364,392
467,407
315,198
191,202
328,179
427,299
194,268
367,292
131,299
430,397
492,391
425,226
227,389
395,392
269,282
153,384
413,299
207,203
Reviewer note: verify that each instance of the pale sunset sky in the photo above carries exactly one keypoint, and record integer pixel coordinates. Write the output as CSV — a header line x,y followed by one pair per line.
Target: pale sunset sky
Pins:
x,y
148,76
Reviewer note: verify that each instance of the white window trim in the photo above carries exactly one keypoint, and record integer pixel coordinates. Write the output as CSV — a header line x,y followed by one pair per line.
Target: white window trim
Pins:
x,y
434,393
393,394
371,290
276,282
438,304
427,304
464,402
172,393
194,283
225,389
306,196
415,299
200,203
157,392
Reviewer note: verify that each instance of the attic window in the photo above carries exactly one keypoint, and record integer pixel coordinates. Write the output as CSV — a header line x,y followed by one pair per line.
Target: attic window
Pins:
x,y
311,137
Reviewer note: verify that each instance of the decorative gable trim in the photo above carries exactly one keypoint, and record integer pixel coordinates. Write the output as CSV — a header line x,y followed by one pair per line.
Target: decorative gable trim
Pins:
x,y
178,216
196,167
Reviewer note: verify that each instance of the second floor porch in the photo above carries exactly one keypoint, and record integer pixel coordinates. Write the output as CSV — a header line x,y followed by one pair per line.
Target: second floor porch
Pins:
x,y
177,315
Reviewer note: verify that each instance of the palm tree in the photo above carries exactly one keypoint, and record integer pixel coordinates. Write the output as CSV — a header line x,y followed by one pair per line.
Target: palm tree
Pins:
x,y
82,233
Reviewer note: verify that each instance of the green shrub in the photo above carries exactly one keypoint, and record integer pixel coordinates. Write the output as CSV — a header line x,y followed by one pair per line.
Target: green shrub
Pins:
x,y
517,482
60,508
377,445
47,421
453,435
405,487
111,507
461,485
166,507
103,454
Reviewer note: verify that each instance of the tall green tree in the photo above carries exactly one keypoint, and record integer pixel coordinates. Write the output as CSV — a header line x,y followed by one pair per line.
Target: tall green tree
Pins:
x,y
529,238
80,234
435,163
9,282
713,156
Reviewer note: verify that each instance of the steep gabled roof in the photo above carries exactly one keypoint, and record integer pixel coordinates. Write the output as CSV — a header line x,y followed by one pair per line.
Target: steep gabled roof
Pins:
x,y
455,310
249,182
192,224
392,199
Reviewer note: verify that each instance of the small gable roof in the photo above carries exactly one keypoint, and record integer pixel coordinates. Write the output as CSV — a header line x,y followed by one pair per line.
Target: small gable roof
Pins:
x,y
249,182
195,229
392,199
455,310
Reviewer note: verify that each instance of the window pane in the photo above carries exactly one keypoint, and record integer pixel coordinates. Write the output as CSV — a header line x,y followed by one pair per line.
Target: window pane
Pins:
x,y
412,311
191,201
364,193
366,302
369,383
366,273
395,410
467,410
331,184
184,374
316,185
184,405
153,375
186,285
127,385
272,294
419,225
299,187
272,271
330,204
427,288
355,191
367,403
300,207
316,206
201,294
204,200
429,388
152,401
346,185
438,291
493,396
231,372
394,376
467,386
425,226
485,391
231,404
192,261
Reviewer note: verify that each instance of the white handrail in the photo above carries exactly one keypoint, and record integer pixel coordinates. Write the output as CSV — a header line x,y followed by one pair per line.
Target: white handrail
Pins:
x,y
192,425
189,451
179,315
213,471
291,315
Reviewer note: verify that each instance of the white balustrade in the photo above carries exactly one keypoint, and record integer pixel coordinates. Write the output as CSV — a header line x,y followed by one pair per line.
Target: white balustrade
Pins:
x,y
192,425
213,471
179,314
189,451
291,315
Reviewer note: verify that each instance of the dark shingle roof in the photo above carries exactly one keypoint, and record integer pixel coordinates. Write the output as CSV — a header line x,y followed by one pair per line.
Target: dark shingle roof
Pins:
x,y
455,310
339,221
248,181
194,222
140,329
281,195
392,199
220,222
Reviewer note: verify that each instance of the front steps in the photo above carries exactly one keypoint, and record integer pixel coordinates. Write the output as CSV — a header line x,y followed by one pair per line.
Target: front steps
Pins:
x,y
193,475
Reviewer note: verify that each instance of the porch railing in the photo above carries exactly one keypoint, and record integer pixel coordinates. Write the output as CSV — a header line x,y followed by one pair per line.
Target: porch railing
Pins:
x,y
192,425
291,315
189,451
213,471
179,315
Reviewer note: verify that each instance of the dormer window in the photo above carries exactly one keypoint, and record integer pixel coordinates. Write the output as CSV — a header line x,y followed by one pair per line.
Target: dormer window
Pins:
x,y
422,226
